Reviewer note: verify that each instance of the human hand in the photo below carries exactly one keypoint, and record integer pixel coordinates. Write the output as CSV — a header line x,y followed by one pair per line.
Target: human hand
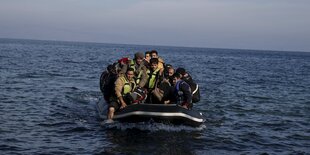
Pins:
x,y
167,102
123,105
184,105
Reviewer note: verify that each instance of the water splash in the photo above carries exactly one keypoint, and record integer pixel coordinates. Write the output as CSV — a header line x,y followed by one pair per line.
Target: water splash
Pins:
x,y
150,126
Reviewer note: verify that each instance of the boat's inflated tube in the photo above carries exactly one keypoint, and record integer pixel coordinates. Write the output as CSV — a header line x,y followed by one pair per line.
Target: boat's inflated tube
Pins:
x,y
169,113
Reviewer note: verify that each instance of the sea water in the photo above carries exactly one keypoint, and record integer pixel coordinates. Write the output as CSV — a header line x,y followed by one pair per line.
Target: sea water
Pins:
x,y
254,102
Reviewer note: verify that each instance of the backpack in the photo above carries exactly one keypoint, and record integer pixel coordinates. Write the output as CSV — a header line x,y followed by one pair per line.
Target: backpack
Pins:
x,y
103,78
107,85
194,88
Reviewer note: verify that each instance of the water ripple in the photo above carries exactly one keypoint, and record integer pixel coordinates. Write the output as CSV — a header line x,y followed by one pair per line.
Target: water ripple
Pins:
x,y
254,102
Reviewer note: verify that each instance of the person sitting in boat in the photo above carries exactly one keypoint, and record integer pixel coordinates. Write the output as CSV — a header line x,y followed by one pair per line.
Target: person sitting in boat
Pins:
x,y
164,91
168,72
147,58
107,80
154,77
161,62
182,92
124,86
137,65
189,80
184,74
121,66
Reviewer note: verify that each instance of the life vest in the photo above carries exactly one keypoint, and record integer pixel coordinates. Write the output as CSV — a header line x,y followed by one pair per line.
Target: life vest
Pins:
x,y
138,77
127,86
153,78
132,65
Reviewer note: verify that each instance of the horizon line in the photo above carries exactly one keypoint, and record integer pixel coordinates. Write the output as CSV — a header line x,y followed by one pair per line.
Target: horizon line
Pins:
x,y
131,44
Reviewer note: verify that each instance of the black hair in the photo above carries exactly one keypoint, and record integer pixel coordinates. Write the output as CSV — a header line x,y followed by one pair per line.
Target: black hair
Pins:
x,y
110,68
154,51
181,71
130,69
154,60
147,52
166,70
176,75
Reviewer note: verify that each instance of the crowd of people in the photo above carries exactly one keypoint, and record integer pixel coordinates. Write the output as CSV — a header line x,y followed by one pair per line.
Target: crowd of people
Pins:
x,y
146,79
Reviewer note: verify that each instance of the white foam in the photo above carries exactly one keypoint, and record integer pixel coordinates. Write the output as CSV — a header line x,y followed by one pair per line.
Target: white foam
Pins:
x,y
152,126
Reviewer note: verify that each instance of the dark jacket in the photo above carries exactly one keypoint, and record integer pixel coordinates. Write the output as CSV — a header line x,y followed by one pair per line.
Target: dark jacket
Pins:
x,y
194,87
182,93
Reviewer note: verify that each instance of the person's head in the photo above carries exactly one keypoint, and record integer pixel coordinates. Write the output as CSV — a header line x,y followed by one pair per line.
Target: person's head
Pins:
x,y
110,68
130,73
168,66
117,67
139,57
181,71
147,56
170,71
166,70
154,54
154,63
176,77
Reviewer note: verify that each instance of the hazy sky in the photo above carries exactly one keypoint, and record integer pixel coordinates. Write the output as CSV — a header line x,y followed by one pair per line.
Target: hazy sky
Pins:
x,y
241,24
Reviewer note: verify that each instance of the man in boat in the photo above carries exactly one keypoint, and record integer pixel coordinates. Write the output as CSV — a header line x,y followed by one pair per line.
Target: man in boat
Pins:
x,y
139,68
147,58
182,92
124,86
107,80
189,80
121,66
164,91
154,77
161,62
168,72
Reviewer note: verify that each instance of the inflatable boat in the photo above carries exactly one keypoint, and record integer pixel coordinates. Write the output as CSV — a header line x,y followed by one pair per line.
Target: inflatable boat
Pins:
x,y
163,113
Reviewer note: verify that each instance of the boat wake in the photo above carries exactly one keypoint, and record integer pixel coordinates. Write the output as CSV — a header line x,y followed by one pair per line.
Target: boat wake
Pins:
x,y
150,126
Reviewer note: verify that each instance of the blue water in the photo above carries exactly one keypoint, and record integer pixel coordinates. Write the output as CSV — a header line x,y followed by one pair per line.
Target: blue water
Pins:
x,y
254,102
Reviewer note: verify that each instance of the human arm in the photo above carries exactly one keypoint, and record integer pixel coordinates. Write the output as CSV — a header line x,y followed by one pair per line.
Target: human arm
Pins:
x,y
122,102
185,88
119,84
144,77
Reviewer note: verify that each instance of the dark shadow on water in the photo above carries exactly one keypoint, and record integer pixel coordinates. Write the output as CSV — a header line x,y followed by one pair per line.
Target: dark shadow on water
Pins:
x,y
137,141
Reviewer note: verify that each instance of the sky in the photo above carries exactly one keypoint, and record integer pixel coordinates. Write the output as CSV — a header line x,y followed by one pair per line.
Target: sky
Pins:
x,y
282,25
